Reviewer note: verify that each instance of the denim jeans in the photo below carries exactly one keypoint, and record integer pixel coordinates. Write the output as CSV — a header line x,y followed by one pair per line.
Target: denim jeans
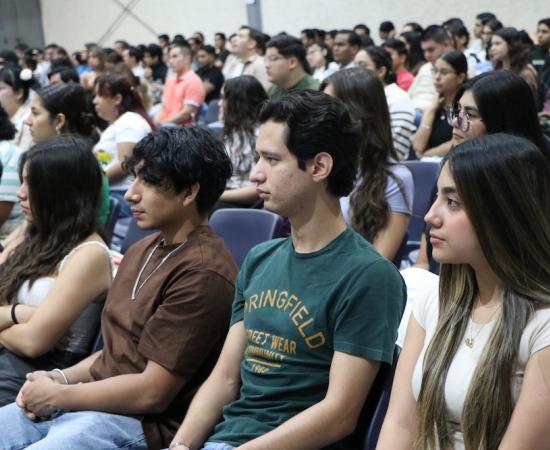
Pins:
x,y
215,446
83,430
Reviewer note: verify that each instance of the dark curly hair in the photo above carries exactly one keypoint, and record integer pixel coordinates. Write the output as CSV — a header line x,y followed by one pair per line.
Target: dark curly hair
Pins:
x,y
64,182
177,158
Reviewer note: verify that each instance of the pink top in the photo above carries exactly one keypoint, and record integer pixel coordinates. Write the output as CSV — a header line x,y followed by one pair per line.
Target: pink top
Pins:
x,y
179,91
404,79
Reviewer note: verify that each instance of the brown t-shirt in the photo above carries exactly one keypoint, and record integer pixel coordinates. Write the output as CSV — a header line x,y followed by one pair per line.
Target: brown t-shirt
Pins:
x,y
179,318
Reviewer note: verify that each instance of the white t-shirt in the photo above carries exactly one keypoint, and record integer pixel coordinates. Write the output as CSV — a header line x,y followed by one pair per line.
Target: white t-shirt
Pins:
x,y
535,337
129,127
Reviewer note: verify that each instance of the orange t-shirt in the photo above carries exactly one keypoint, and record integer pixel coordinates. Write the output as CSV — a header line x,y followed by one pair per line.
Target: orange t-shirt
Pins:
x,y
179,91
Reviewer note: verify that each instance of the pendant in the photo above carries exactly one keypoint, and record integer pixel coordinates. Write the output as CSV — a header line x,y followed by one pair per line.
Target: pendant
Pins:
x,y
469,342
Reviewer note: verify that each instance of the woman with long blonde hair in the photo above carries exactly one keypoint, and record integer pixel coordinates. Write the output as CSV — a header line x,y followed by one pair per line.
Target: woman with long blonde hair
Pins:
x,y
474,372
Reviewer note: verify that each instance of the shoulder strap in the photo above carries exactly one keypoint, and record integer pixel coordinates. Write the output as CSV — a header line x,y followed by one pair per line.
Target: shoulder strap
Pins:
x,y
84,244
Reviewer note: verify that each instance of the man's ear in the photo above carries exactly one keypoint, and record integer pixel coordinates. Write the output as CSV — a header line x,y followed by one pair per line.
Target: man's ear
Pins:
x,y
190,194
321,166
292,62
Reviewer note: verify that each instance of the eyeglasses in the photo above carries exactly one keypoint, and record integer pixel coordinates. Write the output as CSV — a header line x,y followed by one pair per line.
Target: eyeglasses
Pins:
x,y
272,59
442,72
463,118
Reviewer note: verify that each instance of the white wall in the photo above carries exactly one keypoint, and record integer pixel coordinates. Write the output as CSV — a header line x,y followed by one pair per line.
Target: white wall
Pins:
x,y
71,23
292,15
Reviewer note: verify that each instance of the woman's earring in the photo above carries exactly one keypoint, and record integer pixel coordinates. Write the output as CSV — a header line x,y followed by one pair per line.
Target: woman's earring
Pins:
x,y
58,131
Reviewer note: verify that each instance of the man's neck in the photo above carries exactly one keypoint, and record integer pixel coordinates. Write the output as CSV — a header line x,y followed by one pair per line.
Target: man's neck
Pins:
x,y
317,225
182,72
247,56
293,79
176,234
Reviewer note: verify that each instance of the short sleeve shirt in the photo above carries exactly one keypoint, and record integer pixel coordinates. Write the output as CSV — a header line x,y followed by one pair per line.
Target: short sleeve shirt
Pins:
x,y
214,76
179,91
399,192
298,309
129,127
9,185
178,319
275,92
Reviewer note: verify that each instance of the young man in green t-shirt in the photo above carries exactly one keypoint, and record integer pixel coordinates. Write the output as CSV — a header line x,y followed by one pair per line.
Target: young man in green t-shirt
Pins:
x,y
314,314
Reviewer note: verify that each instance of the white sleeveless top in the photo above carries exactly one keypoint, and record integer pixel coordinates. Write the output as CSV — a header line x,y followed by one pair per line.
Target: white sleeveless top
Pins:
x,y
535,337
81,333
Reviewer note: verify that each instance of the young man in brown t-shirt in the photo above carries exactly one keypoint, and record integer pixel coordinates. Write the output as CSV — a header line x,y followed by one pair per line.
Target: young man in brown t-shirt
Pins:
x,y
164,320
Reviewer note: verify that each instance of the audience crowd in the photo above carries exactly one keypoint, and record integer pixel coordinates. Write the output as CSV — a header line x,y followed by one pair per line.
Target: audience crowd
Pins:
x,y
171,345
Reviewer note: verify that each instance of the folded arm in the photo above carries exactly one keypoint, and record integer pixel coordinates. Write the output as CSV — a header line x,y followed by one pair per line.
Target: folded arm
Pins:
x,y
85,278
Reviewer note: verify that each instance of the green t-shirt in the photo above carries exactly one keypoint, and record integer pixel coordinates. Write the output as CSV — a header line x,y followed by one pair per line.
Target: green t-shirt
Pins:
x,y
297,310
274,92
104,204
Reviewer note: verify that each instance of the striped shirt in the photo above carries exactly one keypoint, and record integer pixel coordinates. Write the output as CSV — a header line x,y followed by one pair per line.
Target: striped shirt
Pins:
x,y
402,119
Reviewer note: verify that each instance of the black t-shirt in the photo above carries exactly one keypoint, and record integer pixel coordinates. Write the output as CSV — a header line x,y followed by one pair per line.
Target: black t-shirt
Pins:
x,y
441,130
159,72
215,76
222,56
539,57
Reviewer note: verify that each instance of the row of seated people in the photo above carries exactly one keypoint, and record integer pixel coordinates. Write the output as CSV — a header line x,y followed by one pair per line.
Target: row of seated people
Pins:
x,y
198,67
386,193
61,110
311,317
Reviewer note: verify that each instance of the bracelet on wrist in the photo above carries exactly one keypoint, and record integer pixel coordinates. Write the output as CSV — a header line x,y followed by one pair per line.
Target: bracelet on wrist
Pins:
x,y
13,316
60,372
178,445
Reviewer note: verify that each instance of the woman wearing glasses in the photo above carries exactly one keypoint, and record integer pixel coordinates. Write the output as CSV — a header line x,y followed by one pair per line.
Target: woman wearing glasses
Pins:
x,y
433,137
492,102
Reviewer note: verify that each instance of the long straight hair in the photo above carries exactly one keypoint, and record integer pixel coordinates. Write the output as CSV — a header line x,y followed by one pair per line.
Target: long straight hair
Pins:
x,y
243,99
363,93
504,184
517,49
64,183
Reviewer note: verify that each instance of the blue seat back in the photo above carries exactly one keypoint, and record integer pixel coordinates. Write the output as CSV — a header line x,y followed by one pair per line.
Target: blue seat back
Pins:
x,y
133,235
109,227
425,177
242,229
380,392
212,112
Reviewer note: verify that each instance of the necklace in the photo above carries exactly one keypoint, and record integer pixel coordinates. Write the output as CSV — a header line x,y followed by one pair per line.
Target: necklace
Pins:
x,y
137,287
470,341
